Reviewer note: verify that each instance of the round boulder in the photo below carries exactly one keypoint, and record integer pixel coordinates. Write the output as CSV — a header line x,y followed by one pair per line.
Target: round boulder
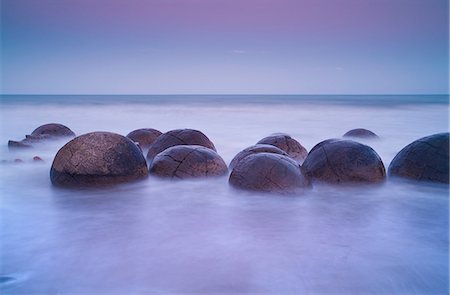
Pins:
x,y
344,161
178,137
268,172
98,159
286,143
52,130
258,148
144,137
425,159
188,161
322,143
361,133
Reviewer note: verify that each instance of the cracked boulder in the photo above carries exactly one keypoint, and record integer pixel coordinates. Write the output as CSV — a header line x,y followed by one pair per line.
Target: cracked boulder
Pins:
x,y
255,149
344,161
322,143
425,159
360,133
144,137
286,143
178,137
188,161
268,172
44,132
98,159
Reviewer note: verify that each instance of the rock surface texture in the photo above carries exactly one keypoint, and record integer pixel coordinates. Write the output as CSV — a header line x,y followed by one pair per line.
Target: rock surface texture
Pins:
x,y
425,159
188,161
178,137
286,143
144,137
344,161
98,159
268,172
255,149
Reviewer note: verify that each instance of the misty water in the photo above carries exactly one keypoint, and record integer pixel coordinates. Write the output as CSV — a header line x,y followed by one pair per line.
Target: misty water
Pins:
x,y
187,237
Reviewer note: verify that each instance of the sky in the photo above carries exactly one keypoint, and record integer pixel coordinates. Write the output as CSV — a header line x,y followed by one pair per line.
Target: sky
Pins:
x,y
224,46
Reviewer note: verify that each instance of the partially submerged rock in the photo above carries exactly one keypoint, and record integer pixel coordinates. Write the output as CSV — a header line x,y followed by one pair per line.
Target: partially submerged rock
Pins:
x,y
144,137
44,132
178,137
344,161
324,142
188,161
286,143
98,159
425,159
268,172
255,149
361,133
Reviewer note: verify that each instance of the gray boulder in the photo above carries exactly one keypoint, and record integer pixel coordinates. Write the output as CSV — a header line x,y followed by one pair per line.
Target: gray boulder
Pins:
x,y
98,159
425,159
188,161
144,137
286,143
268,172
344,161
360,133
255,149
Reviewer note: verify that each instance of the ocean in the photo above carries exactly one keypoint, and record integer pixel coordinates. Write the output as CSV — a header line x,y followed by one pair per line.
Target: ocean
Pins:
x,y
188,237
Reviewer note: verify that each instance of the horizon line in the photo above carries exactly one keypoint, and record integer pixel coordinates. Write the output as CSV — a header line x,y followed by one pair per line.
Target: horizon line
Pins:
x,y
226,94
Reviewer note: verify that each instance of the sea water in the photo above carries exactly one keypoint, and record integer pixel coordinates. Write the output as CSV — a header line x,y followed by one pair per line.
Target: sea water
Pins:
x,y
188,237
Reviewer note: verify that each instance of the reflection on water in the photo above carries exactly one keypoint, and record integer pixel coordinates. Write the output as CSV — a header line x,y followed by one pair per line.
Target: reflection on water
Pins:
x,y
159,237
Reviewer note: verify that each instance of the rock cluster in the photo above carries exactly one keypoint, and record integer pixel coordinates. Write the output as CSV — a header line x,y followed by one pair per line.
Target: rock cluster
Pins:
x,y
426,159
98,159
188,161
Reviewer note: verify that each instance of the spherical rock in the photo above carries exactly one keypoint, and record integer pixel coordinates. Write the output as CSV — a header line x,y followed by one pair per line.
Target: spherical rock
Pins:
x,y
361,133
188,161
286,143
258,148
344,161
178,137
268,172
322,143
98,159
144,137
53,130
425,159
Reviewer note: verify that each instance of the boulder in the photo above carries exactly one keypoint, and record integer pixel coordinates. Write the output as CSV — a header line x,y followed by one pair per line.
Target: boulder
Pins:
x,y
344,161
144,137
188,161
44,132
425,159
286,143
258,148
322,143
178,137
360,133
268,172
98,159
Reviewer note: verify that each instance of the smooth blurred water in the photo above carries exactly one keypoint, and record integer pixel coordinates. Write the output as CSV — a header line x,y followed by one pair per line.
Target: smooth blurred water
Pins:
x,y
162,237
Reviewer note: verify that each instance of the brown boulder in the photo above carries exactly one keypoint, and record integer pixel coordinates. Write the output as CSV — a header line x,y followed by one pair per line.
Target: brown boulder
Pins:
x,y
144,137
361,133
188,161
258,148
322,143
344,161
178,137
98,159
425,159
44,132
268,172
286,143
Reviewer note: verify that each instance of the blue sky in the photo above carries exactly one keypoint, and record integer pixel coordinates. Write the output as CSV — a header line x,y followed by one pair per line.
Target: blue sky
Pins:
x,y
225,47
